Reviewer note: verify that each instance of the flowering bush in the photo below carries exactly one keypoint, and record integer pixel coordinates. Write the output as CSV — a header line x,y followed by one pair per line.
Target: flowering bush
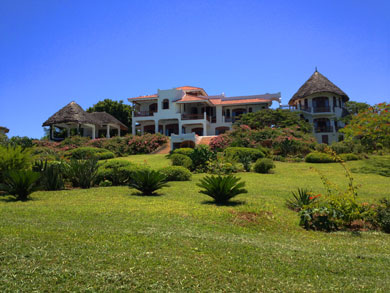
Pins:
x,y
220,142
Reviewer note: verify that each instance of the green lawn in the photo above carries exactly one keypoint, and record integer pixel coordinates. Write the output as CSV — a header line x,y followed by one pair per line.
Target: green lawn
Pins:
x,y
108,239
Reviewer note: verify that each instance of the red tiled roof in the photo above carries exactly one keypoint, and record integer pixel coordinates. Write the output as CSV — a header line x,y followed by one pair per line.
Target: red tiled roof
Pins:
x,y
144,97
187,88
241,101
192,98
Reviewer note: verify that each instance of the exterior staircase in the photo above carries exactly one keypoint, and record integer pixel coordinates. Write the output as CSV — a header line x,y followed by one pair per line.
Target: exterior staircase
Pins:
x,y
205,140
164,149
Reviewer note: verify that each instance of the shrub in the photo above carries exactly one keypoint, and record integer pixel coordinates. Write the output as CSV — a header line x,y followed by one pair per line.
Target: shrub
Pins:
x,y
316,157
176,173
349,157
118,172
222,188
82,173
20,183
148,181
241,154
220,142
105,183
184,151
24,141
221,166
200,157
83,153
145,144
383,215
263,166
303,197
320,218
181,160
44,154
13,158
74,141
51,174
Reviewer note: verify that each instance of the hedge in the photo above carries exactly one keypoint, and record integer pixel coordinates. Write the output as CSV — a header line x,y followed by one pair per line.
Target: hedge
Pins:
x,y
89,152
181,160
118,172
237,153
317,157
176,173
263,166
184,151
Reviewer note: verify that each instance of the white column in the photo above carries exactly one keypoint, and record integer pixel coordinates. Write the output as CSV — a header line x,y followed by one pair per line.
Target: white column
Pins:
x,y
142,129
108,131
93,131
133,127
119,131
155,126
180,128
164,129
218,113
52,131
204,129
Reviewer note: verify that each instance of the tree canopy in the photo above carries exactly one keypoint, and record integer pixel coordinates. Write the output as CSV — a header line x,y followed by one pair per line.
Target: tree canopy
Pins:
x,y
120,111
354,108
278,118
371,126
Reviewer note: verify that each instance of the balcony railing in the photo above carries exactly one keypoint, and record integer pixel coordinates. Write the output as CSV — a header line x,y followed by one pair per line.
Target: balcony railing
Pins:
x,y
306,109
324,129
192,116
321,109
143,113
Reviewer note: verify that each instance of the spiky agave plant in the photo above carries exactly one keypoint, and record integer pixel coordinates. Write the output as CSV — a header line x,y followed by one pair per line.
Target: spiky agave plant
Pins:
x,y
222,188
148,181
20,183
302,197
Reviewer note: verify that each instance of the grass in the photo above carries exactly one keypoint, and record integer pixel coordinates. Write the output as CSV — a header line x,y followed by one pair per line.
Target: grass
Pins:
x,y
106,239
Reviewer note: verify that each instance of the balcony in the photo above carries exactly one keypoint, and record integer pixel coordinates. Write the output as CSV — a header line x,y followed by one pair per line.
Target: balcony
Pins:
x,y
192,116
143,113
306,109
321,109
323,129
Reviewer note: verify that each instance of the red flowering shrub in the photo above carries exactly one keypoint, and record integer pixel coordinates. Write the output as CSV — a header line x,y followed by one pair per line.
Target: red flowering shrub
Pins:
x,y
220,142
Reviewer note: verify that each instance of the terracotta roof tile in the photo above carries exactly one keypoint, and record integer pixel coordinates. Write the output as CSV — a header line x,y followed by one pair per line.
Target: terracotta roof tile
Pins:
x,y
143,97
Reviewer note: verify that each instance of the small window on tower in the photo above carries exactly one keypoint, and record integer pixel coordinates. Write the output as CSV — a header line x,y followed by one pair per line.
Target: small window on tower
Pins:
x,y
165,104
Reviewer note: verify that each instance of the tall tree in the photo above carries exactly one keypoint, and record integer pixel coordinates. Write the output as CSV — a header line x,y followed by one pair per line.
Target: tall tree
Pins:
x,y
120,111
278,118
371,127
354,108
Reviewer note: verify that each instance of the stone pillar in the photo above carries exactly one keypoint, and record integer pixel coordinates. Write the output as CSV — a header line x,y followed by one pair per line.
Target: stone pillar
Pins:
x,y
93,131
108,131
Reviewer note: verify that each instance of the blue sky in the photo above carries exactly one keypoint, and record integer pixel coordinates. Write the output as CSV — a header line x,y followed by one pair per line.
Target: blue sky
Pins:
x,y
53,52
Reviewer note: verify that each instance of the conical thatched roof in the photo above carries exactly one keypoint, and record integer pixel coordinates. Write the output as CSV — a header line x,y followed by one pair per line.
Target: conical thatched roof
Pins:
x,y
72,113
106,118
317,83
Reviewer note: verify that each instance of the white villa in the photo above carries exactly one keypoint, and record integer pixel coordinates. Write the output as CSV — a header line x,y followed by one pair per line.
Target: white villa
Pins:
x,y
187,113
322,104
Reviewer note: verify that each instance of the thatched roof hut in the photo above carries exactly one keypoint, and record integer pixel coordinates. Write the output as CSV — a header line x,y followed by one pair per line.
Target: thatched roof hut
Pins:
x,y
4,130
106,118
317,83
72,114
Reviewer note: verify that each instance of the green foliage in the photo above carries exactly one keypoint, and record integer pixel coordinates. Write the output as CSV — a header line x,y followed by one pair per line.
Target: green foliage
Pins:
x,y
3,139
263,166
176,173
105,183
118,109
44,154
277,118
223,167
19,183
51,174
383,215
181,160
349,157
148,181
299,199
74,141
14,158
184,151
82,173
375,165
242,154
354,108
346,147
371,126
200,157
317,157
24,141
222,188
83,153
118,172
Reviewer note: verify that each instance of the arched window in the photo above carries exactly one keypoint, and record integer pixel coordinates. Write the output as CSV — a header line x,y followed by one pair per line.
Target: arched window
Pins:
x,y
165,104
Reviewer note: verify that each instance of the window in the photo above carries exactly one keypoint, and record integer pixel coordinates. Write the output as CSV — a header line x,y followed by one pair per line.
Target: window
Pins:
x,y
250,110
165,104
227,113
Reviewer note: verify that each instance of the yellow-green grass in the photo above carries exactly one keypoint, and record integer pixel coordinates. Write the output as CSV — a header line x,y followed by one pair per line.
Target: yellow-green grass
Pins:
x,y
109,239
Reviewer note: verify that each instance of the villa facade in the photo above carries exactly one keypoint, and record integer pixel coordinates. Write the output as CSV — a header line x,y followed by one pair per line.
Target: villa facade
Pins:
x,y
187,112
321,103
